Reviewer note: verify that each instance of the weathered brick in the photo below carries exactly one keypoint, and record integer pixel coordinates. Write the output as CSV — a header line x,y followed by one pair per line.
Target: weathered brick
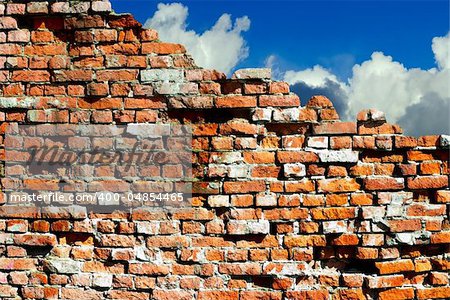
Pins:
x,y
338,185
241,187
235,101
383,183
335,128
398,266
279,100
338,213
427,182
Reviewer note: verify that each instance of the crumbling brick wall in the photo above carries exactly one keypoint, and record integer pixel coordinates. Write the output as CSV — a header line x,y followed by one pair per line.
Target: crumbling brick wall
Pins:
x,y
289,202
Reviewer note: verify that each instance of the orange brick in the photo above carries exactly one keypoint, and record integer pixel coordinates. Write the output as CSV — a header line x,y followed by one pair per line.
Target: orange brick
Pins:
x,y
335,128
235,101
443,196
440,237
397,266
333,213
433,293
259,157
242,187
279,100
162,48
304,241
427,182
31,76
383,183
279,88
297,156
404,225
398,293
299,186
345,240
405,141
337,185
428,141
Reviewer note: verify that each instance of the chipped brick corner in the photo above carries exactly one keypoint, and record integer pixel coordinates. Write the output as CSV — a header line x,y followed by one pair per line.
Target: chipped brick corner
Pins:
x,y
289,202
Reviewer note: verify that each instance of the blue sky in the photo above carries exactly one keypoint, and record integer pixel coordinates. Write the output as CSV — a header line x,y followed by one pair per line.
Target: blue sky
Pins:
x,y
393,56
305,33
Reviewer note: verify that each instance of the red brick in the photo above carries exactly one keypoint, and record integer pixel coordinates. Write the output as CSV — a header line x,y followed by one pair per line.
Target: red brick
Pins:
x,y
384,128
30,76
302,186
305,241
15,8
79,293
238,128
297,156
329,114
8,23
419,209
397,266
405,142
427,182
218,295
278,88
279,100
404,225
333,213
148,35
259,157
438,278
116,75
293,142
433,293
42,36
139,103
73,75
415,155
101,103
144,116
51,49
162,48
428,141
440,237
10,49
337,185
123,21
400,294
235,101
443,196
335,128
319,102
242,187
98,89
383,183
345,240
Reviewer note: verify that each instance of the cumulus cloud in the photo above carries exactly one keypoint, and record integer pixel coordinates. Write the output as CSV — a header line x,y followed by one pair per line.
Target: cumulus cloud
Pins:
x,y
441,51
429,116
221,47
417,99
333,90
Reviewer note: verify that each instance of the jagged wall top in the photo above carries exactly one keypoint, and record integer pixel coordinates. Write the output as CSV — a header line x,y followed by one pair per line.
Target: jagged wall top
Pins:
x,y
85,42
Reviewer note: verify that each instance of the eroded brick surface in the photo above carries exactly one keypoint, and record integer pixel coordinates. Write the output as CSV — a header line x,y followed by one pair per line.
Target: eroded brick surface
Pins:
x,y
290,202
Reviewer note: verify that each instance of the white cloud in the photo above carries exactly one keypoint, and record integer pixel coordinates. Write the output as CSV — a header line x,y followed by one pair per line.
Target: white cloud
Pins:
x,y
221,47
441,50
387,85
314,77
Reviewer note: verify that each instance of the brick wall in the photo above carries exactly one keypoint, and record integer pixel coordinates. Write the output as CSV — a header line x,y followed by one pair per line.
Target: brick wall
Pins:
x,y
289,202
